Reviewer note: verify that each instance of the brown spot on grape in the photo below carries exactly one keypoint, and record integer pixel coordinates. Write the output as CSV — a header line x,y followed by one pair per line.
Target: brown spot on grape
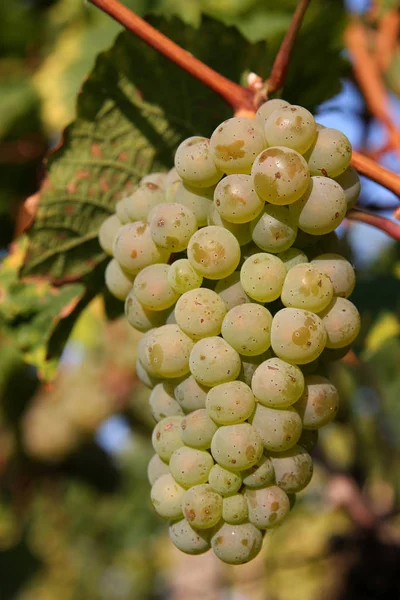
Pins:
x,y
202,357
231,151
300,336
161,223
277,175
141,229
324,172
190,514
250,452
244,542
274,505
219,539
133,253
272,517
152,186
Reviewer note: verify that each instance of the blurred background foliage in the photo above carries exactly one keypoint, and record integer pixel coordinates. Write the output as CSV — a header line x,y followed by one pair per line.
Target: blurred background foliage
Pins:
x,y
75,515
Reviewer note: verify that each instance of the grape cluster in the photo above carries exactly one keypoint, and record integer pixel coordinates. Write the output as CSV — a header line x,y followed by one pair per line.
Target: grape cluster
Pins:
x,y
229,265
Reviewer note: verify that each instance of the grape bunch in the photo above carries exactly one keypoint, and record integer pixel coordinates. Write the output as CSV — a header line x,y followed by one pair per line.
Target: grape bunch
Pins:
x,y
230,266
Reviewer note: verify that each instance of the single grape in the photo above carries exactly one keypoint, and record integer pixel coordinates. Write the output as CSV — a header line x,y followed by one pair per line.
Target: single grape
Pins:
x,y
279,429
145,197
156,468
275,229
190,466
214,252
236,544
236,199
247,328
330,154
166,437
237,447
197,429
307,287
277,384
182,277
198,200
167,496
268,506
202,507
223,481
235,144
148,380
118,282
240,231
340,272
230,403
280,175
194,162
187,539
293,469
190,394
199,313
165,351
262,276
250,364
259,475
152,289
291,257
162,402
157,178
297,336
107,232
308,439
172,182
121,213
213,361
172,225
342,323
231,291
269,107
351,184
234,509
139,317
291,126
319,403
322,208
134,249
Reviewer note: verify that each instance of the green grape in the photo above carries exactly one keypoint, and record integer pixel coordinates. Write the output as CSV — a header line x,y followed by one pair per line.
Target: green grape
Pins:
x,y
330,154
291,126
202,506
158,178
234,509
277,384
199,313
190,466
194,162
235,144
182,277
279,429
198,200
165,351
121,212
280,175
306,286
172,182
214,252
134,249
247,328
275,229
167,496
319,403
187,539
172,225
107,232
162,402
308,439
297,336
213,361
230,403
197,429
259,475
262,276
240,231
236,544
322,207
231,291
148,380
156,468
236,447
342,323
139,317
223,481
268,506
236,200
140,203
166,437
269,107
190,394
351,184
293,469
292,257
152,289
118,282
340,272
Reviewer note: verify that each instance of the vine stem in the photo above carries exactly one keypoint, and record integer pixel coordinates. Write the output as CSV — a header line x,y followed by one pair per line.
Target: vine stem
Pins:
x,y
390,228
371,169
237,96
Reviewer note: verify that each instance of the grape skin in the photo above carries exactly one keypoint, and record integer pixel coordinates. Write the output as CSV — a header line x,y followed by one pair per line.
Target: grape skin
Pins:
x,y
202,506
214,252
277,384
164,352
279,429
340,272
197,429
241,231
190,394
268,506
293,469
292,257
156,468
307,287
199,313
134,249
107,232
231,291
198,200
187,539
291,126
139,204
342,323
230,403
275,229
139,317
236,447
236,200
190,466
162,402
260,475
182,277
269,107
172,225
152,289
118,282
213,361
247,328
262,276
234,509
194,162
297,336
330,154
235,143
236,544
167,496
166,437
350,182
223,481
319,402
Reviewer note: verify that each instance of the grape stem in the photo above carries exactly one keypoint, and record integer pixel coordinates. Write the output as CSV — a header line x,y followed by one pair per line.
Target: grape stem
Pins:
x,y
389,227
371,169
